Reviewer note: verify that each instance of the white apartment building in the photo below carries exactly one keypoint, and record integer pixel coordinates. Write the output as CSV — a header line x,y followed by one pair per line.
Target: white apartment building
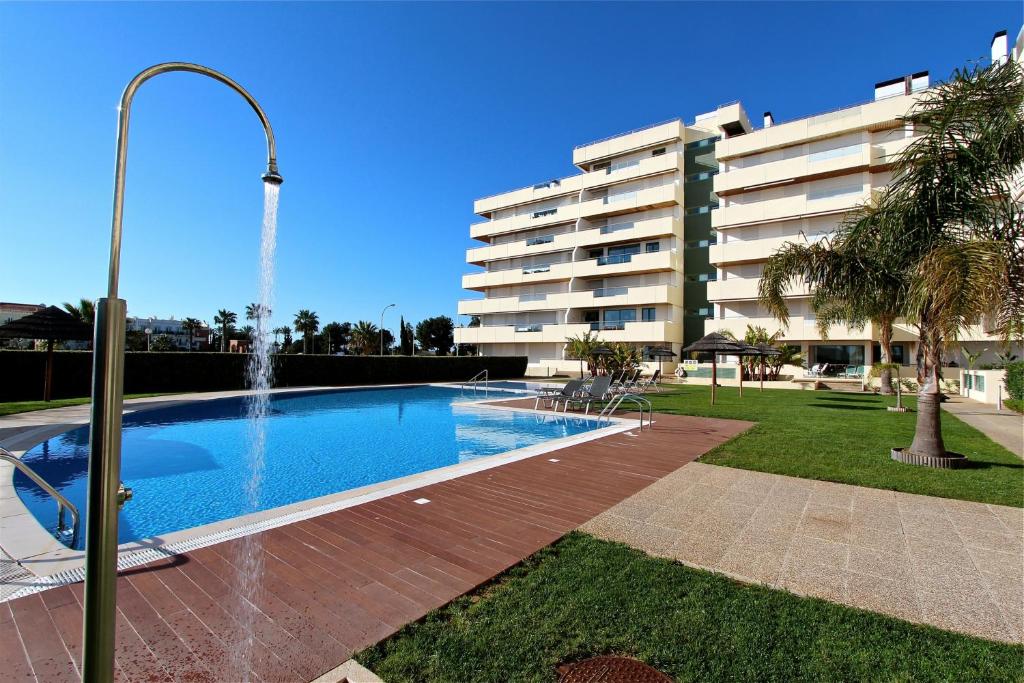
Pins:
x,y
794,182
663,234
601,251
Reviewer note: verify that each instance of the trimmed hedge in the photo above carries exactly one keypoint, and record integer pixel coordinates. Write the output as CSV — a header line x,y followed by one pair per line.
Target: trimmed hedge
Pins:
x,y
21,372
1015,380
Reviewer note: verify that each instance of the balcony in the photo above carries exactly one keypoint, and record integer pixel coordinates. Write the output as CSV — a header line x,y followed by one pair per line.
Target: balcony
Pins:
x,y
514,304
784,208
874,115
669,131
627,296
883,154
749,251
526,195
786,171
659,331
669,194
524,221
632,263
523,247
744,288
640,168
517,276
799,329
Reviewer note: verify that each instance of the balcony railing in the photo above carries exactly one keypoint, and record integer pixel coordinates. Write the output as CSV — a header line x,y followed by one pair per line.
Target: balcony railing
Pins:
x,y
625,196
617,227
543,239
545,212
532,297
610,291
532,327
528,270
613,259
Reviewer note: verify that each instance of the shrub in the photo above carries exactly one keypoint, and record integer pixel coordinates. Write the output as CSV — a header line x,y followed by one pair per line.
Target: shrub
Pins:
x,y
1015,380
22,371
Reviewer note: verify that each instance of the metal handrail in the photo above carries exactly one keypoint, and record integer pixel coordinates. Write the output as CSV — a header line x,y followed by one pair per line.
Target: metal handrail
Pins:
x,y
475,379
639,401
62,502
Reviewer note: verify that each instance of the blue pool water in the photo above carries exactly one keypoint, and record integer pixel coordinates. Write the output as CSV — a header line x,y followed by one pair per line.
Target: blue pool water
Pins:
x,y
188,464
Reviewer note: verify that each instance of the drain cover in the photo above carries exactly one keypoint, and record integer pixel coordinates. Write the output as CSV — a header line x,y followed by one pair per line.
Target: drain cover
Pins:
x,y
610,670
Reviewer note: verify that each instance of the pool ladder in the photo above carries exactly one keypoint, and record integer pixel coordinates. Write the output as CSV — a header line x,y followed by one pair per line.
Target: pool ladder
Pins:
x,y
635,399
474,381
62,502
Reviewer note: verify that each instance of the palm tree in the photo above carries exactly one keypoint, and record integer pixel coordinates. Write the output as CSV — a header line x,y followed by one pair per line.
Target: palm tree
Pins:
x,y
582,348
307,322
226,319
852,283
190,326
84,312
254,310
364,337
952,218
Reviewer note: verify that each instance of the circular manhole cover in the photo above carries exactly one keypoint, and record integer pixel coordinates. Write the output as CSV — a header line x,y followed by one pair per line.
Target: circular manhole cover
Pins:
x,y
610,670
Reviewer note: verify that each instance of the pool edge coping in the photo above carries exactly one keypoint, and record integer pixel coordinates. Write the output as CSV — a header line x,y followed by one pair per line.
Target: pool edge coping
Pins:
x,y
65,565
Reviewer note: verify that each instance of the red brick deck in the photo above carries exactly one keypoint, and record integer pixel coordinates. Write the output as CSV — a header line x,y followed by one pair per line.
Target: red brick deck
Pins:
x,y
337,583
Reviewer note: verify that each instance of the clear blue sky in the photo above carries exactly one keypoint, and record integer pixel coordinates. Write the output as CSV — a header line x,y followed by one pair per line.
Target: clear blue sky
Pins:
x,y
390,120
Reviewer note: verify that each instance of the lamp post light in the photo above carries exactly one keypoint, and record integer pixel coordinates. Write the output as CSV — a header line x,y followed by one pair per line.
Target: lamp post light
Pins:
x,y
382,327
148,331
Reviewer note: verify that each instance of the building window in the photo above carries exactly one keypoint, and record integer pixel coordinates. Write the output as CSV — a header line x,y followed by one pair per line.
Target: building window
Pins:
x,y
657,152
701,143
545,212
648,314
652,247
600,165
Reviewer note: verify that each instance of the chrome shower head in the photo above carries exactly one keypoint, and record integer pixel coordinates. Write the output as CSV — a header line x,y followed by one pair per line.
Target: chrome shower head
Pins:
x,y
272,176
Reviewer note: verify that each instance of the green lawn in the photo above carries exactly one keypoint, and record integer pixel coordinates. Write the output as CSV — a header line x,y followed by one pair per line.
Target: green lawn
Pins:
x,y
846,437
13,407
583,597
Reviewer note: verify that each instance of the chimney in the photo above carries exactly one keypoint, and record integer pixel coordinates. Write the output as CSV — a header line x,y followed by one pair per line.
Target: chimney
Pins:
x,y
769,120
999,48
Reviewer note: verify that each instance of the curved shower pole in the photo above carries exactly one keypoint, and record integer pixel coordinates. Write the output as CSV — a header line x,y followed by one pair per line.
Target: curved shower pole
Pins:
x,y
105,494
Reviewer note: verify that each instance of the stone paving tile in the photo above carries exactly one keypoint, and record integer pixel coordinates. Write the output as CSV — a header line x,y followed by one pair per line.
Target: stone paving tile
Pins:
x,y
880,594
956,565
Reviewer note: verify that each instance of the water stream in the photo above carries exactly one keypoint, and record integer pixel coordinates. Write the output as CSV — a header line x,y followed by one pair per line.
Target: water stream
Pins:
x,y
259,378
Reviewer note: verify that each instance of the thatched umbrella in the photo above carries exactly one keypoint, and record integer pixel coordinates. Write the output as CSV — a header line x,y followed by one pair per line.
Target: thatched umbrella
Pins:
x,y
714,344
661,354
51,324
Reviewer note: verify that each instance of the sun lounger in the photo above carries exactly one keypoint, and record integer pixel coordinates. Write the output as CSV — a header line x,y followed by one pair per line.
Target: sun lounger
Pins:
x,y
600,390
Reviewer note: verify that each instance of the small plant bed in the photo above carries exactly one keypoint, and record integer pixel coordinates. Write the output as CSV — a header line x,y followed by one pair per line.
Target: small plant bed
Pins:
x,y
848,438
1015,406
583,597
14,407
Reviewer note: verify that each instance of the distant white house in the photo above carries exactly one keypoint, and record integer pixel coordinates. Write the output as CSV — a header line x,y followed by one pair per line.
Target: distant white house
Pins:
x,y
170,327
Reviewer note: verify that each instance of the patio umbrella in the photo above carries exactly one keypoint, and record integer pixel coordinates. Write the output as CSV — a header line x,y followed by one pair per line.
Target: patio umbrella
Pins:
x,y
661,354
714,344
51,324
747,350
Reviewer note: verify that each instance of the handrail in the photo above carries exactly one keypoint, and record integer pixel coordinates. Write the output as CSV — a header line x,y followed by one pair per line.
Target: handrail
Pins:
x,y
475,379
639,401
62,502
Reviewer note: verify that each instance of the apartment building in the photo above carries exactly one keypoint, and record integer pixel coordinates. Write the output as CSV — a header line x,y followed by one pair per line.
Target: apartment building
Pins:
x,y
663,234
619,249
794,182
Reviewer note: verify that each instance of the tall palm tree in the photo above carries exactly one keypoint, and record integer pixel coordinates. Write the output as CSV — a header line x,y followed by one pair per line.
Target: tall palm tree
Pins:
x,y
364,337
852,283
84,312
226,319
190,326
253,311
952,218
307,322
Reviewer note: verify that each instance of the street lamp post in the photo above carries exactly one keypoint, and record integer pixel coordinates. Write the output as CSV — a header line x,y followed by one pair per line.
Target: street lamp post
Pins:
x,y
148,333
382,327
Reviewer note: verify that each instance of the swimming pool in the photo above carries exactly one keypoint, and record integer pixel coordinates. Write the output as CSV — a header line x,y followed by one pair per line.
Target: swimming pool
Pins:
x,y
188,464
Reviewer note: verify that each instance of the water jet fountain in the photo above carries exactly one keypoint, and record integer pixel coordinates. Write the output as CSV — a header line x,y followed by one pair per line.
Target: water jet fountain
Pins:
x,y
108,380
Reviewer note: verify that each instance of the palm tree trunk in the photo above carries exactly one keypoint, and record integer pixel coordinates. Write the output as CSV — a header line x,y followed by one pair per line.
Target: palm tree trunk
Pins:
x,y
928,431
885,346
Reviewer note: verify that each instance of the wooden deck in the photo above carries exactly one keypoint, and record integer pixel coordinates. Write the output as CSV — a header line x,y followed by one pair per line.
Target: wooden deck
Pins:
x,y
337,583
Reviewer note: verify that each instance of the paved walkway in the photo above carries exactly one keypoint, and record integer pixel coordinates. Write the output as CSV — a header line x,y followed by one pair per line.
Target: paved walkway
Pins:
x,y
1004,427
339,582
952,564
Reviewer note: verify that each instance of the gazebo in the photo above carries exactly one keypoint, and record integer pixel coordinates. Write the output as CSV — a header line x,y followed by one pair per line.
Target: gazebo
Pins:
x,y
715,344
51,324
660,354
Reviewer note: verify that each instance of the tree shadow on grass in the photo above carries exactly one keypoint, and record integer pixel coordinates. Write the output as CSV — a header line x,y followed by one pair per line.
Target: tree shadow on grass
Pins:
x,y
848,399
848,407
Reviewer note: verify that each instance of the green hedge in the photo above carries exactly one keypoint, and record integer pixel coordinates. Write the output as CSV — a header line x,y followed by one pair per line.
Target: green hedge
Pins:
x,y
21,372
1015,380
